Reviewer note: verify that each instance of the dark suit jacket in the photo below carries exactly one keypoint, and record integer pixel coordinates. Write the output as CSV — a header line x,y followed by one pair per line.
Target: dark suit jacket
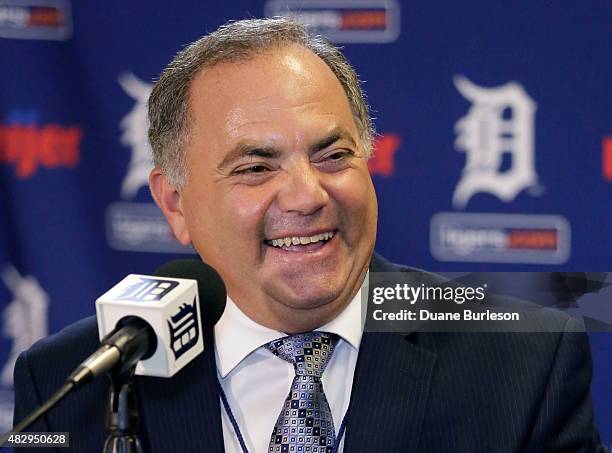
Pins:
x,y
426,392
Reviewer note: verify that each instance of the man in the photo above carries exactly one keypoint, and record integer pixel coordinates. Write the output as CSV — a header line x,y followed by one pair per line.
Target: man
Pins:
x,y
260,135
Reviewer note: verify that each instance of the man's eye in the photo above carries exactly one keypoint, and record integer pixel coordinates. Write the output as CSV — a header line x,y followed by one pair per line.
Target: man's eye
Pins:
x,y
337,156
251,169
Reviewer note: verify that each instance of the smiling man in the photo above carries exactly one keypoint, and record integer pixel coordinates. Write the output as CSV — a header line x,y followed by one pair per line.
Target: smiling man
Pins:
x,y
260,135
275,194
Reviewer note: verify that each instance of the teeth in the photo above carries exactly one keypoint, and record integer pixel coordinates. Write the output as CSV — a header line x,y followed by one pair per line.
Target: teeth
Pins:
x,y
301,240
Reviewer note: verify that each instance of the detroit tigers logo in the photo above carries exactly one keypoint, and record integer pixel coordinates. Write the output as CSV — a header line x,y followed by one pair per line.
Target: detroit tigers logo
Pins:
x,y
499,123
184,329
135,126
24,320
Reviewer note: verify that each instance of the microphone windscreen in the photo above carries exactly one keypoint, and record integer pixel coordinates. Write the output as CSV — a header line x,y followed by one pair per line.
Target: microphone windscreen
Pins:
x,y
211,289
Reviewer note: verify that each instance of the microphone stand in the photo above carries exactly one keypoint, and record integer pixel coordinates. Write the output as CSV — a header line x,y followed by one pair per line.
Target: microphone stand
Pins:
x,y
122,414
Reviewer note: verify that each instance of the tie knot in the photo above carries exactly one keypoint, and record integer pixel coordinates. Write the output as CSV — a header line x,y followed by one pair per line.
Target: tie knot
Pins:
x,y
309,352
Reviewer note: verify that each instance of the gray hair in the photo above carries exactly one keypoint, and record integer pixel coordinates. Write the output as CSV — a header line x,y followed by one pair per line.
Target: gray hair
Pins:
x,y
169,114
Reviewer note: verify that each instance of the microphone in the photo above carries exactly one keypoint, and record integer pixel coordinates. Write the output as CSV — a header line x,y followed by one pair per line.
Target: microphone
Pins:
x,y
154,322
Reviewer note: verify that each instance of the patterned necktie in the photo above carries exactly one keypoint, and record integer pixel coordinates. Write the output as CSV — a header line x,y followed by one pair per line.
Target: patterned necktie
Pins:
x,y
305,423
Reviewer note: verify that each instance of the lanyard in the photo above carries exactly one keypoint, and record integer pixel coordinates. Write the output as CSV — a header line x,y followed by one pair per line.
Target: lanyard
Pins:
x,y
230,414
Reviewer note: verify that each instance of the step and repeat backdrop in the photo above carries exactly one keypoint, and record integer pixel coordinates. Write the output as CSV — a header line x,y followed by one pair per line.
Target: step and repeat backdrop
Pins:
x,y
494,149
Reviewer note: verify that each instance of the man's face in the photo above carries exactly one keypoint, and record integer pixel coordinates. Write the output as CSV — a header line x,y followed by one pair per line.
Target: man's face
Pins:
x,y
278,197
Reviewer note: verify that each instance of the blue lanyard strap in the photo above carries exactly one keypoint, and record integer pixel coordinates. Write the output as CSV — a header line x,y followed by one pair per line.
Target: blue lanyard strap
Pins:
x,y
340,432
230,414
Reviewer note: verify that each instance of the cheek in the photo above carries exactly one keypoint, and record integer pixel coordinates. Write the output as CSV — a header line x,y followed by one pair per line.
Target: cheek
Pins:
x,y
355,196
249,209
233,217
200,219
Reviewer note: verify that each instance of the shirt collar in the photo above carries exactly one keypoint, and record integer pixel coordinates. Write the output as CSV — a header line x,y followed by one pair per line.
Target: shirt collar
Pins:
x,y
237,335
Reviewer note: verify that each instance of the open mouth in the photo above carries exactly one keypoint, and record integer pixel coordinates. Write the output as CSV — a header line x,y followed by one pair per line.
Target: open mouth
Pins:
x,y
301,243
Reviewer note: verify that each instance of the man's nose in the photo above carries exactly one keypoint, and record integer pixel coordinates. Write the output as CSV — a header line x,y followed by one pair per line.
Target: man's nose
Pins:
x,y
302,191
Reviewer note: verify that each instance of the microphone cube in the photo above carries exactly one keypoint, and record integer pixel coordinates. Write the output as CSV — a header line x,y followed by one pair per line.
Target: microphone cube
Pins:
x,y
171,306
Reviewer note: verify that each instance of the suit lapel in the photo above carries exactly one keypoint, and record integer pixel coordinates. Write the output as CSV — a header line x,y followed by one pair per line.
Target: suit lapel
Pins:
x,y
389,395
183,413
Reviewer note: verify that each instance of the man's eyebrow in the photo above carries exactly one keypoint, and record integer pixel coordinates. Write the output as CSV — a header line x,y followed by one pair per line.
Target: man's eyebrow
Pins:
x,y
245,150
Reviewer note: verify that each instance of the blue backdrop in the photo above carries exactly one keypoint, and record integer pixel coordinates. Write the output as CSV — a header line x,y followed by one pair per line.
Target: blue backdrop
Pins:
x,y
494,153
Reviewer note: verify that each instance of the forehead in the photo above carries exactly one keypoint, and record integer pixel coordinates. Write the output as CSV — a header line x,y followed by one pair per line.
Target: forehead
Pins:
x,y
287,85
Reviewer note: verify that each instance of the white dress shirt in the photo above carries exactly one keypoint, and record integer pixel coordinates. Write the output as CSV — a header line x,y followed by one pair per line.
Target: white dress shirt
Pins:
x,y
256,382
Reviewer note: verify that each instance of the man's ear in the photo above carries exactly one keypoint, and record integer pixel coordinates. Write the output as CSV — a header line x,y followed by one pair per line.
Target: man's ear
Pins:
x,y
168,198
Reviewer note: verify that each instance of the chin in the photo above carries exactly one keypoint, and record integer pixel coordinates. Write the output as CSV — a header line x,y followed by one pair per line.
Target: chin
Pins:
x,y
311,296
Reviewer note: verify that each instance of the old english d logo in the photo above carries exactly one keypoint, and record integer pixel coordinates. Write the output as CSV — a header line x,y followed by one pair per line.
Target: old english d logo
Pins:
x,y
500,122
184,329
